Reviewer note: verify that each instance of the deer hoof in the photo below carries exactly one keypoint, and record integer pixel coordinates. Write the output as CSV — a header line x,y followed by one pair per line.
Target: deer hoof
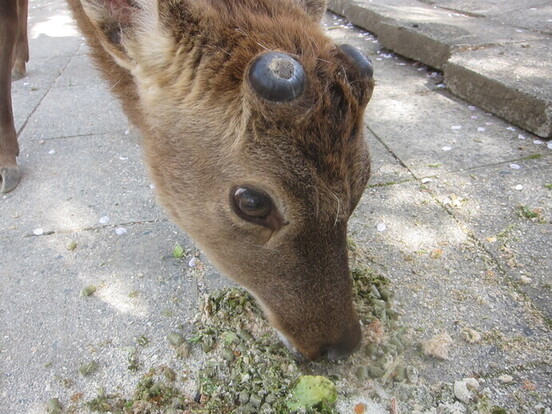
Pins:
x,y
9,178
18,71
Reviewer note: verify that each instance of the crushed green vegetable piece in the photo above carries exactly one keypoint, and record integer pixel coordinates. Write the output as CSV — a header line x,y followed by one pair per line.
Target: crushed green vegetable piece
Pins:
x,y
313,391
88,368
89,290
54,406
71,245
178,251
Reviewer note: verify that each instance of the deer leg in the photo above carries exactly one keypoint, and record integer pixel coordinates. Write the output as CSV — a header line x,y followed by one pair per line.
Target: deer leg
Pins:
x,y
9,149
21,54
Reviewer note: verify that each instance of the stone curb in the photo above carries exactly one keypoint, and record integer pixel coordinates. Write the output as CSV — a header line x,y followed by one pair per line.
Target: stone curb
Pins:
x,y
466,49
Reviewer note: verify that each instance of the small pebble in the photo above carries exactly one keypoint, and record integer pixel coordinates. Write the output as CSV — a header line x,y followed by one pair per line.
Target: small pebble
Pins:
x,y
446,148
461,392
538,142
515,166
472,108
481,129
510,128
38,232
104,220
549,145
505,379
525,280
193,262
381,227
456,127
472,383
412,374
426,180
520,136
52,152
518,187
120,231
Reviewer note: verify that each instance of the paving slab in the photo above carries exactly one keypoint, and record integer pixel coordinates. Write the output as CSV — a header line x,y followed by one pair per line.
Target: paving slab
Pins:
x,y
422,32
431,133
537,17
52,31
439,34
514,75
386,168
65,112
78,183
31,89
444,281
507,207
79,72
50,329
531,14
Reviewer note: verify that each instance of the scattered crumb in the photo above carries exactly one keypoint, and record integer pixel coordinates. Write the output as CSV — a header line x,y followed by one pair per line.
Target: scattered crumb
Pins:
x,y
438,346
360,408
375,331
471,336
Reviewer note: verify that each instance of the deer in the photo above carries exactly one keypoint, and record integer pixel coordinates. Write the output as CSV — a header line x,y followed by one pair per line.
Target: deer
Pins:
x,y
252,125
14,54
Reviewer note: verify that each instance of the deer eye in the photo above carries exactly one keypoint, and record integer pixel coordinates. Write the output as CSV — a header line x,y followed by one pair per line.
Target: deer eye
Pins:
x,y
251,204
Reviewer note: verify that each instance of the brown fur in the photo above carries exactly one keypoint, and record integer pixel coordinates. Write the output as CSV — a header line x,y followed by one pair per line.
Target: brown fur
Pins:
x,y
180,69
14,53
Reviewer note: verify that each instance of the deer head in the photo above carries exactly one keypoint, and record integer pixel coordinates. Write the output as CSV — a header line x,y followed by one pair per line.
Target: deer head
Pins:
x,y
253,133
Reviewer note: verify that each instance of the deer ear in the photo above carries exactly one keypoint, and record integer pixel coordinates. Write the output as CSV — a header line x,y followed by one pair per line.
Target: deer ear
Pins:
x,y
116,23
314,8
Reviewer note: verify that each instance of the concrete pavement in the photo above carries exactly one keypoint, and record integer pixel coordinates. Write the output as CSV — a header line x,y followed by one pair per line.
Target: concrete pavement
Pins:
x,y
457,216
492,53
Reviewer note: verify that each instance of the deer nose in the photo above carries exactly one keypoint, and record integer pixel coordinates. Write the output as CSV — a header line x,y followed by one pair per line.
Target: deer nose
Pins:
x,y
345,346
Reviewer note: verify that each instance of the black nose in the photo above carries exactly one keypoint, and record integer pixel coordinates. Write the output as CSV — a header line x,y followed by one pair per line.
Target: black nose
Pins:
x,y
345,346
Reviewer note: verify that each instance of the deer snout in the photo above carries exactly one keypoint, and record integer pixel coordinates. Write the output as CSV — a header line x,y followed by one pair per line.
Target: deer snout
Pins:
x,y
345,346
334,338
339,350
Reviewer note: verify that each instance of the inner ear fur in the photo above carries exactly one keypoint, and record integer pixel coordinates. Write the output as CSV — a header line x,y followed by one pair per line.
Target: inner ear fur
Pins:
x,y
314,8
115,23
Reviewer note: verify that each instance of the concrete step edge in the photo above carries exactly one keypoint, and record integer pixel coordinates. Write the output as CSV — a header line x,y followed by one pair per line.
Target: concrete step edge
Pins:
x,y
405,38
